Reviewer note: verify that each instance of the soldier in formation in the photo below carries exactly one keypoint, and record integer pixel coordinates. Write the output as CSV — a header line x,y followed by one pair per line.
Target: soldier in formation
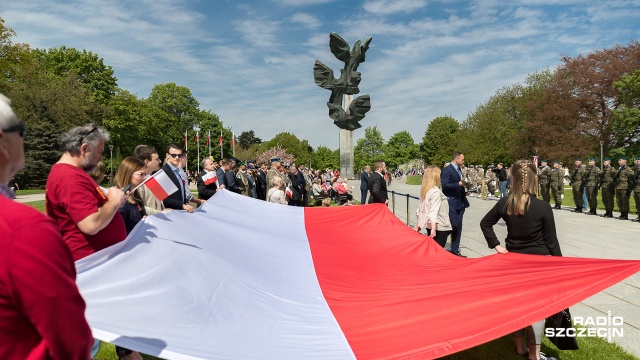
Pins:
x,y
623,183
556,184
607,177
544,179
592,182
578,184
636,188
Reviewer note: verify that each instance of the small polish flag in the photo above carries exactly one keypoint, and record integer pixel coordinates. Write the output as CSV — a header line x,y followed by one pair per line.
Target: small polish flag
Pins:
x,y
210,178
289,193
161,185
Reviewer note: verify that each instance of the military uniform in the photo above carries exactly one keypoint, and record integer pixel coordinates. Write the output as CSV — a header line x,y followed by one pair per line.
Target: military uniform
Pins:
x,y
607,177
636,188
624,185
578,184
556,183
544,179
592,179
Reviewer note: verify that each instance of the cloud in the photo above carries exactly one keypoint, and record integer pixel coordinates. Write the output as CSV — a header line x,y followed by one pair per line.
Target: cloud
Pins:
x,y
302,2
261,33
306,20
393,6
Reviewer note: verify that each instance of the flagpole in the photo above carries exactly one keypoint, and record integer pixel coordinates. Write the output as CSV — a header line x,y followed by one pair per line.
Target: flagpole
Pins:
x,y
197,138
186,147
233,143
221,151
209,141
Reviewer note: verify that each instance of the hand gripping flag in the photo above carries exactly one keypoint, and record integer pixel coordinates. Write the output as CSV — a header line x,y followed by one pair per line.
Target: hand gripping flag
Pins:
x,y
160,185
340,283
288,192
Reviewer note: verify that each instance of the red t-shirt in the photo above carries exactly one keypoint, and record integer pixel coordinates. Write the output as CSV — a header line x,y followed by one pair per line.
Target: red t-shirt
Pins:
x,y
41,310
71,196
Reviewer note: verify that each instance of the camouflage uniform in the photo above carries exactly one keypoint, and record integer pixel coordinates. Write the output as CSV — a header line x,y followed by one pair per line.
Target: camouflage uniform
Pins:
x,y
578,184
544,178
607,176
491,182
556,183
592,179
636,189
624,185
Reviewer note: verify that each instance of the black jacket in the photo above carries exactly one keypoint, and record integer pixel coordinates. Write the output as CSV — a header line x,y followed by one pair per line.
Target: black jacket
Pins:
x,y
175,200
205,192
377,188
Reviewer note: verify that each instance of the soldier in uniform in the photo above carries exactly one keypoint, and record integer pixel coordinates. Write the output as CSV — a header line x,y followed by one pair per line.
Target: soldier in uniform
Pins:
x,y
556,183
273,172
544,178
473,184
577,184
636,188
592,179
491,181
624,185
607,176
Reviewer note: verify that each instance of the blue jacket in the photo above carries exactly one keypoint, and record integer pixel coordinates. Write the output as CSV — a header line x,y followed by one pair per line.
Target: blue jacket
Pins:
x,y
364,181
455,193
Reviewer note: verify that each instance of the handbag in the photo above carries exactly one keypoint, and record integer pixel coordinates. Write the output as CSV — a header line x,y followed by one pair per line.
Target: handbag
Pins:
x,y
562,320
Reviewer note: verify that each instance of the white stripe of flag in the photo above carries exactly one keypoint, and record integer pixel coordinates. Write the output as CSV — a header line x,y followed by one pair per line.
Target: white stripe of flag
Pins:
x,y
161,185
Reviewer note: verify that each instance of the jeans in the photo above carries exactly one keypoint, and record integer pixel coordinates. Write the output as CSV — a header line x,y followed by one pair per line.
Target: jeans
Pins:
x,y
503,188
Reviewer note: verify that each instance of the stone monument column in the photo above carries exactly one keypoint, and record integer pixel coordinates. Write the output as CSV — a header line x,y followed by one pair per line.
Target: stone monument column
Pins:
x,y
345,111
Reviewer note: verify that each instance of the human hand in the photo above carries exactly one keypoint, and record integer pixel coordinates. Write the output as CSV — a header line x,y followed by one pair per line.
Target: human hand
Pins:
x,y
500,250
221,187
116,195
432,233
187,207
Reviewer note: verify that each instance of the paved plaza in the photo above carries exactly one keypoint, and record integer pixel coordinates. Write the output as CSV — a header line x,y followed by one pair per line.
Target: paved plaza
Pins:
x,y
580,235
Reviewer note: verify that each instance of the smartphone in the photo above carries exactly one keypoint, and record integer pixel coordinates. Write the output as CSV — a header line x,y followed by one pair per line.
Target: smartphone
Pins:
x,y
126,188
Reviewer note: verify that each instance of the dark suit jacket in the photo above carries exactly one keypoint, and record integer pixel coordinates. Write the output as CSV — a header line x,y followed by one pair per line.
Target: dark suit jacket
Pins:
x,y
205,192
175,200
231,182
364,181
261,184
455,193
222,178
377,188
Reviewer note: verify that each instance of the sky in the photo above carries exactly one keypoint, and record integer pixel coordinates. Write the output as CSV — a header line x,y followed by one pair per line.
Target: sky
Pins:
x,y
251,62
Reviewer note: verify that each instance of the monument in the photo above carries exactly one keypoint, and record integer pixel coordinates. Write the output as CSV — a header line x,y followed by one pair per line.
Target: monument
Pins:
x,y
345,111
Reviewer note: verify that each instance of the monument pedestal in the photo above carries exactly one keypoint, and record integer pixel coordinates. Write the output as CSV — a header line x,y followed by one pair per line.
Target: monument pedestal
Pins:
x,y
346,154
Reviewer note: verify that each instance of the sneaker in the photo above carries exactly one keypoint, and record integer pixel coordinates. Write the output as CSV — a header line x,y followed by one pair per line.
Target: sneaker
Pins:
x,y
545,357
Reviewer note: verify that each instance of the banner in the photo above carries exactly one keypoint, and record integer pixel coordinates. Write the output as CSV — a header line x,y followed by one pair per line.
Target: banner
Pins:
x,y
242,278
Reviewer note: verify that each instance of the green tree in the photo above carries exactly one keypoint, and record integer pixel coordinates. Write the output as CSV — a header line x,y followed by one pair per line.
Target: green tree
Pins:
x,y
248,138
12,57
626,117
323,158
178,112
400,149
294,146
88,67
369,149
437,142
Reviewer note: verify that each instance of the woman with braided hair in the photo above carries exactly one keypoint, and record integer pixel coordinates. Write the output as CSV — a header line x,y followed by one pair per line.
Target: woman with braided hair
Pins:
x,y
531,229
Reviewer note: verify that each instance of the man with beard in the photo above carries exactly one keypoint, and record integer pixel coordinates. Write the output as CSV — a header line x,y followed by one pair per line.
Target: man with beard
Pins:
x,y
454,188
86,216
377,185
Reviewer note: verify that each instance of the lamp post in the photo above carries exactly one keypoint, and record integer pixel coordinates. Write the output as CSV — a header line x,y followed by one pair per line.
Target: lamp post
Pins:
x,y
196,128
111,163
601,154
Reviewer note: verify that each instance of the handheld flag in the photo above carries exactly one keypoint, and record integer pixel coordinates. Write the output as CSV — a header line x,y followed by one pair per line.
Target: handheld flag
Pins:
x,y
160,185
289,193
210,178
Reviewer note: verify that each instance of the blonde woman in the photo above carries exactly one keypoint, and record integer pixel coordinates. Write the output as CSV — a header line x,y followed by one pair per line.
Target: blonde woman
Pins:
x,y
530,230
433,211
132,172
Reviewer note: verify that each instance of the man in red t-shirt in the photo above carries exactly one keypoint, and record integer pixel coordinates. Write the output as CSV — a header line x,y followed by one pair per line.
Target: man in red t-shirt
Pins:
x,y
41,310
86,216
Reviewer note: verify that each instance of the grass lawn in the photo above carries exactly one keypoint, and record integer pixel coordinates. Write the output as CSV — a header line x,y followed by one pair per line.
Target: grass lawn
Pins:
x,y
29,192
501,348
414,180
38,205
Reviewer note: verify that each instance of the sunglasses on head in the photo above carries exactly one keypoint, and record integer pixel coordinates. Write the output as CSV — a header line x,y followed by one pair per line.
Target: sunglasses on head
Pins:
x,y
20,128
87,134
181,155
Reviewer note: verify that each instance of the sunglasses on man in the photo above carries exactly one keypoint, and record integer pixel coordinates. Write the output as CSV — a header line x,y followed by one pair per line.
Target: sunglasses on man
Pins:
x,y
20,128
181,155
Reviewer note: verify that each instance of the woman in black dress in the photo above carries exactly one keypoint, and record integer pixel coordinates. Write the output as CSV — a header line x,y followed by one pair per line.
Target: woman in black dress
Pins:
x,y
531,229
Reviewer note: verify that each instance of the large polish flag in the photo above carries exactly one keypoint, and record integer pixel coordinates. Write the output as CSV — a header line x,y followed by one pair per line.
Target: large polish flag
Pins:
x,y
161,185
230,282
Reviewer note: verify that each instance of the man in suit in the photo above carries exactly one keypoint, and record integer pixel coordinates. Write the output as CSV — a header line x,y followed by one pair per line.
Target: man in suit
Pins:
x,y
364,183
205,192
454,188
377,184
177,200
261,183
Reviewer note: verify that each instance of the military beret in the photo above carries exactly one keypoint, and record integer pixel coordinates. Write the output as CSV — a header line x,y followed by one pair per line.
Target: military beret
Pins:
x,y
624,158
235,160
606,159
636,158
274,159
578,159
556,162
592,159
241,163
541,161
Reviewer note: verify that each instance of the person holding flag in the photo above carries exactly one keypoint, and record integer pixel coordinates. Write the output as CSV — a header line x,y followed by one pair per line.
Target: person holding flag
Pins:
x,y
208,180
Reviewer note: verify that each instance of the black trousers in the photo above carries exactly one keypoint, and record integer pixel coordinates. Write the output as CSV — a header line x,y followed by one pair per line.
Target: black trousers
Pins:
x,y
441,236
